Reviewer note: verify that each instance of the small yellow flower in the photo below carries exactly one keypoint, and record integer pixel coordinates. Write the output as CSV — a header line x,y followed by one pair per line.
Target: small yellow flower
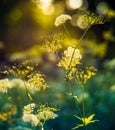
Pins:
x,y
81,75
8,113
62,19
85,121
46,113
54,43
20,70
91,18
37,81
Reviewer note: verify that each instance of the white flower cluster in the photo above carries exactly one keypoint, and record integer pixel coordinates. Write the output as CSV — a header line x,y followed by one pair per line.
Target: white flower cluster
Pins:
x,y
29,108
34,115
62,19
31,118
28,116
46,114
72,51
71,58
5,85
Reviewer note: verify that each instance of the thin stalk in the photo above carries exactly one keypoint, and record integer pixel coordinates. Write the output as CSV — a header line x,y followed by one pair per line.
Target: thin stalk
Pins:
x,y
66,30
9,99
10,123
27,92
42,125
77,106
76,46
84,33
83,104
83,107
76,103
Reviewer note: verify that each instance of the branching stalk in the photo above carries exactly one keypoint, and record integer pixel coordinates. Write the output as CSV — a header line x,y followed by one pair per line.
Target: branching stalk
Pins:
x,y
76,46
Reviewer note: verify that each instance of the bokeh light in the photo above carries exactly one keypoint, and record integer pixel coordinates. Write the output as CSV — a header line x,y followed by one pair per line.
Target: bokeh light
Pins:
x,y
46,6
74,4
102,8
78,21
15,16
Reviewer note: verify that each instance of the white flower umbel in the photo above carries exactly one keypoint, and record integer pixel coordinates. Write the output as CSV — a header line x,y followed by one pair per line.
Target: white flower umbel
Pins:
x,y
5,85
62,19
29,108
31,118
71,58
69,52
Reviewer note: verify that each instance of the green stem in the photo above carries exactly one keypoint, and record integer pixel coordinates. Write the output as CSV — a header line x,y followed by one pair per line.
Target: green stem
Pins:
x,y
83,104
27,93
42,125
76,103
84,33
83,107
42,128
77,106
66,30
76,47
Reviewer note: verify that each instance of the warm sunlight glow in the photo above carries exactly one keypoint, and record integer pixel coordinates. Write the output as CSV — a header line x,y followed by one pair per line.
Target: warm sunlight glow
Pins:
x,y
46,6
74,4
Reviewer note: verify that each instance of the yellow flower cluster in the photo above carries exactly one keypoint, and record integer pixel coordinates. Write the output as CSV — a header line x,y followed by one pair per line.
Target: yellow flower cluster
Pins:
x,y
80,75
20,70
37,81
27,73
71,58
46,113
35,115
54,43
8,113
91,18
70,61
62,19
86,74
5,85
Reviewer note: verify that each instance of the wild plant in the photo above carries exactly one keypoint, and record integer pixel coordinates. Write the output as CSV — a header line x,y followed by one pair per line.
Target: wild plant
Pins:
x,y
32,81
71,62
75,74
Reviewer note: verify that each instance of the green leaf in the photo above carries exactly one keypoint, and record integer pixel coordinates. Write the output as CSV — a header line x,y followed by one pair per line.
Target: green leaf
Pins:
x,y
90,117
78,117
77,126
76,98
70,94
29,96
85,121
